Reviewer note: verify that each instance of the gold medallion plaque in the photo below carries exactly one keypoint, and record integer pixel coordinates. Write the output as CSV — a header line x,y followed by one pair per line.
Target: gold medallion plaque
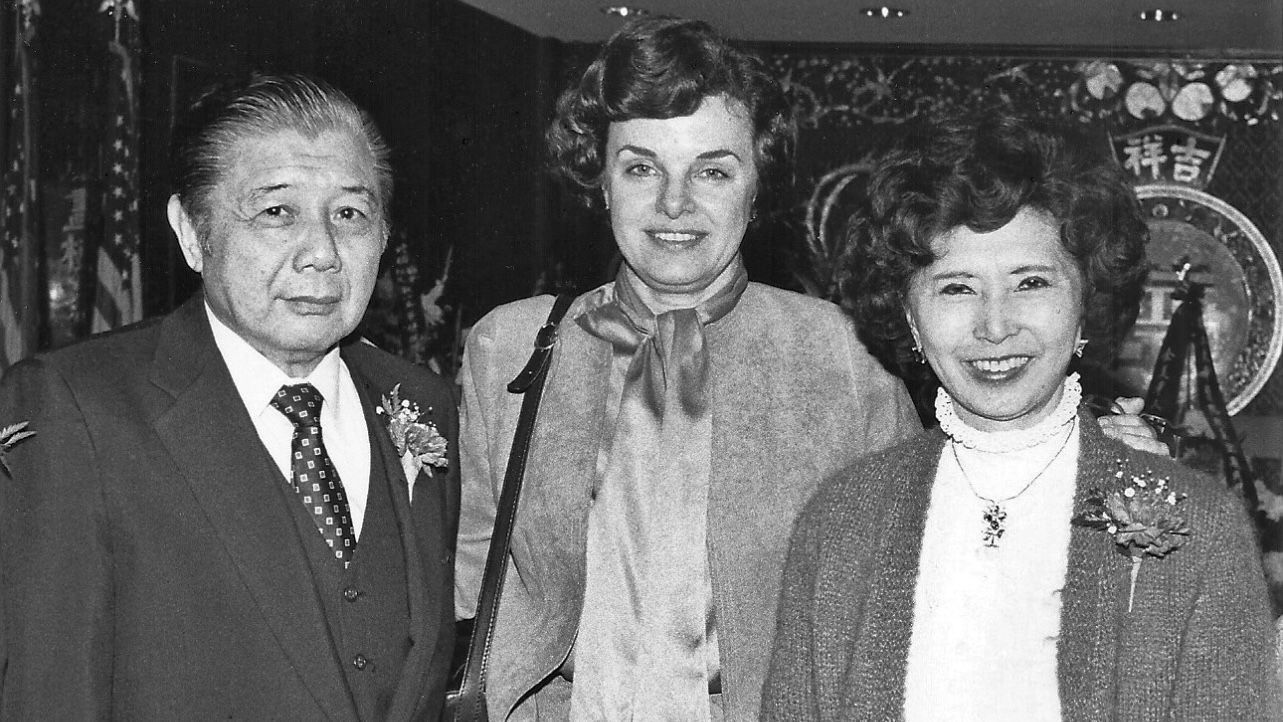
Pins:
x,y
1243,303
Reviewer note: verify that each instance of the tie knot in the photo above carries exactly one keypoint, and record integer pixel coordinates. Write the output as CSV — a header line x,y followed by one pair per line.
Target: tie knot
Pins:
x,y
301,404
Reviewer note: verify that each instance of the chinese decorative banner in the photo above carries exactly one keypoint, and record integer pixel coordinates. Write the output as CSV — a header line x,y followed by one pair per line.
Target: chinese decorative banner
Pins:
x,y
18,309
1168,153
118,291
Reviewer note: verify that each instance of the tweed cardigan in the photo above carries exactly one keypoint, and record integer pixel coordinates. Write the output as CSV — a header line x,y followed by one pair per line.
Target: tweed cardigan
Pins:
x,y
1197,644
794,398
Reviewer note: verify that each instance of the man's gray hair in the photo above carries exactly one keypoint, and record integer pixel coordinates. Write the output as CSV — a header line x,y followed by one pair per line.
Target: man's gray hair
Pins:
x,y
260,105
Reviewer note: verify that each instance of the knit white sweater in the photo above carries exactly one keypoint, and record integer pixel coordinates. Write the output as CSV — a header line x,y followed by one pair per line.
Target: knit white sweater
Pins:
x,y
987,618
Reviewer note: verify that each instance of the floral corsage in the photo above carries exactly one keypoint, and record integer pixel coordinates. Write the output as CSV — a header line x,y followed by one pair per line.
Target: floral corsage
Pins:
x,y
417,443
9,438
1141,517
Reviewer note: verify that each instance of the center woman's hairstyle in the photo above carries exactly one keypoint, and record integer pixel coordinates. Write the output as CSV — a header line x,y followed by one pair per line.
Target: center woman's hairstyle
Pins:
x,y
664,68
978,172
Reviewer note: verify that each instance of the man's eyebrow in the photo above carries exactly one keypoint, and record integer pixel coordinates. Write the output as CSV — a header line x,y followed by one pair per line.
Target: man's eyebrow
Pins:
x,y
264,190
359,189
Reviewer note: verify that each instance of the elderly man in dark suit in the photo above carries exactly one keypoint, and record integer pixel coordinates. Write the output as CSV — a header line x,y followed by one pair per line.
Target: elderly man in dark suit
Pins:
x,y
214,519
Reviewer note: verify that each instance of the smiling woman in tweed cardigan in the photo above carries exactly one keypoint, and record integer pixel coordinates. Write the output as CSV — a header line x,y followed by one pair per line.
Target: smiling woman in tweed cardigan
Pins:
x,y
1013,563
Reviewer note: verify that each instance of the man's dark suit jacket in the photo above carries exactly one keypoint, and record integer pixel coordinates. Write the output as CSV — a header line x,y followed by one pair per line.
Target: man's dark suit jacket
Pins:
x,y
152,569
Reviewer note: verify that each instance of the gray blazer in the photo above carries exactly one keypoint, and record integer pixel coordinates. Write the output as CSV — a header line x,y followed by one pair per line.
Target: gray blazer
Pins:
x,y
794,396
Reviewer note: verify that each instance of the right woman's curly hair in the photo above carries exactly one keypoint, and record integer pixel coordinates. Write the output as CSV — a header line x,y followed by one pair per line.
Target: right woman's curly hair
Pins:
x,y
979,172
660,68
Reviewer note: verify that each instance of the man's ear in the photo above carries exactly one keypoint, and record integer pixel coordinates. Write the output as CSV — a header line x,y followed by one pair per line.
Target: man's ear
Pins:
x,y
185,230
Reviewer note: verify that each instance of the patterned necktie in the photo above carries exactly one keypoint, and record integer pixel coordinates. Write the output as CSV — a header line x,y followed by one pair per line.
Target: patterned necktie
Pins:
x,y
313,474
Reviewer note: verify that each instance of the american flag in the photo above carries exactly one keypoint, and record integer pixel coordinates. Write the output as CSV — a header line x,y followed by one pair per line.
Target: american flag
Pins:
x,y
18,311
118,291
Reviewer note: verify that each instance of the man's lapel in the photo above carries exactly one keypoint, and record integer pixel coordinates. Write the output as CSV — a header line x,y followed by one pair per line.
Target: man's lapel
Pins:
x,y
212,440
420,548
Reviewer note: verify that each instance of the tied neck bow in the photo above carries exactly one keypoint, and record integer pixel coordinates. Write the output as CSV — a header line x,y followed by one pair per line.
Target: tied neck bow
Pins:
x,y
670,362
646,641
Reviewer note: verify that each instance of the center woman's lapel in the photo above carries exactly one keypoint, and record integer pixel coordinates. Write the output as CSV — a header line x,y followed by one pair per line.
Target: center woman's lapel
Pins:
x,y
551,532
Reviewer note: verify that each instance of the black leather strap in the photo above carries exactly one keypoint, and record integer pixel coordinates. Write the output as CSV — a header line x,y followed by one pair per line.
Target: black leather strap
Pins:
x,y
469,705
544,342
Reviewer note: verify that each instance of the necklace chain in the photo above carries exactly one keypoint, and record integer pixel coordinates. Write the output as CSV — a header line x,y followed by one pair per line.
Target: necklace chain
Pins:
x,y
995,516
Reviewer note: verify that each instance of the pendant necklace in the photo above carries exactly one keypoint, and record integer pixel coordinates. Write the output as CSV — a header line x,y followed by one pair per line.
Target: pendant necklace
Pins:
x,y
995,516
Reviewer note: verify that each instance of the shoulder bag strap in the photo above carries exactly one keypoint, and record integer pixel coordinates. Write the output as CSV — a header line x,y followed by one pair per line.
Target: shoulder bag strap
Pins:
x,y
470,705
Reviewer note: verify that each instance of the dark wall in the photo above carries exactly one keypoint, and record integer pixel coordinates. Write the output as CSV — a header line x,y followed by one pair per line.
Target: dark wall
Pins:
x,y
187,44
461,96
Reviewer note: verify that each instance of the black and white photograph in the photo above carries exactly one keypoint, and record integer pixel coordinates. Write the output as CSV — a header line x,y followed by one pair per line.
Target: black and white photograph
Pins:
x,y
690,361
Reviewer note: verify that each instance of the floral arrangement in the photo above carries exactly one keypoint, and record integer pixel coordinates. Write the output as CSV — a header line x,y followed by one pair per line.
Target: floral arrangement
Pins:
x,y
409,315
9,438
1141,517
418,444
843,90
1191,91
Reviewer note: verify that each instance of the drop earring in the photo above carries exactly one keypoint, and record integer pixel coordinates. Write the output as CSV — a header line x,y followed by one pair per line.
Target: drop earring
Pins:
x,y
916,348
1078,347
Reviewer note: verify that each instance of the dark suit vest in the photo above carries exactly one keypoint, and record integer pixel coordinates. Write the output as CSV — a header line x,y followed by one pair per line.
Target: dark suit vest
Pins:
x,y
366,605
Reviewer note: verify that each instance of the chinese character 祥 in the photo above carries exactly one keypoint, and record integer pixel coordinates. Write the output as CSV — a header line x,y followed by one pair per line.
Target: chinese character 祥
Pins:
x,y
1145,154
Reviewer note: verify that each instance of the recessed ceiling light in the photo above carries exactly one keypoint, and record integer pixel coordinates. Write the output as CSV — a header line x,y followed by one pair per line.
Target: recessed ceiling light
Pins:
x,y
883,12
624,11
1158,15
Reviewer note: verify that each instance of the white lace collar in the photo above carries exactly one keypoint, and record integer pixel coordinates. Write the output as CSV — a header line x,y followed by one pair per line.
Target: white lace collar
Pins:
x,y
1002,441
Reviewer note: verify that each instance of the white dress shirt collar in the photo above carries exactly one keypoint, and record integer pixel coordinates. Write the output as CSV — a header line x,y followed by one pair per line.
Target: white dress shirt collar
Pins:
x,y
342,415
257,379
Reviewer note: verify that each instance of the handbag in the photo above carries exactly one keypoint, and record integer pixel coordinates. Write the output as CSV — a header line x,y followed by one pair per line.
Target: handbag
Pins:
x,y
466,700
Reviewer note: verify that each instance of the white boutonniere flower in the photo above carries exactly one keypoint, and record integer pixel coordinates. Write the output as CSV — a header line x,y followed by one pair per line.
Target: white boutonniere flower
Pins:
x,y
418,443
1142,517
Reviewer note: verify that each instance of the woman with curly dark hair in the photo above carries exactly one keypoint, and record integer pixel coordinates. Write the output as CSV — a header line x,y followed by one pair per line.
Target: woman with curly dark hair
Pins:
x,y
688,413
1013,563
